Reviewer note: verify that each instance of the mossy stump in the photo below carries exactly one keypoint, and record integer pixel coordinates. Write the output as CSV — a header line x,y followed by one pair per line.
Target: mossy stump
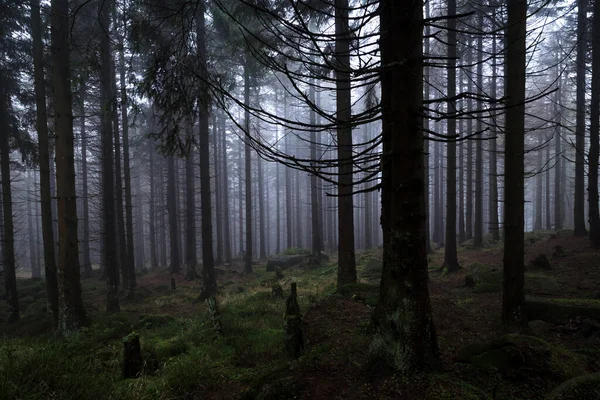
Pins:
x,y
133,362
278,273
277,291
215,316
294,335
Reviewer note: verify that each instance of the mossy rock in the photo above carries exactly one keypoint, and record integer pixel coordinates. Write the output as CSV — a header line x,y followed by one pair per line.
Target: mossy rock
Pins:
x,y
523,355
154,321
556,310
372,269
539,283
445,388
582,387
487,278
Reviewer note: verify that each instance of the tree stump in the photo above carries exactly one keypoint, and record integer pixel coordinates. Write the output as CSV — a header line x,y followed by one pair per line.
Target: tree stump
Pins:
x,y
469,281
540,262
215,317
278,273
294,336
173,286
132,356
276,291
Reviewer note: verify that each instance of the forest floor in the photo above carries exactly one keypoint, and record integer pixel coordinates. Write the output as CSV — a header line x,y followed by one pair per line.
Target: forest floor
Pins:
x,y
185,359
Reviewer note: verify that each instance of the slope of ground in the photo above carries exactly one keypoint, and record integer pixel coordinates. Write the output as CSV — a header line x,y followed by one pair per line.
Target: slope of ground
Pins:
x,y
185,358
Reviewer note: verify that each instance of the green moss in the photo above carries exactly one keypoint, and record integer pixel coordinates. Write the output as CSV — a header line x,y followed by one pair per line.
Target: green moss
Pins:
x,y
292,251
579,388
578,302
514,353
442,387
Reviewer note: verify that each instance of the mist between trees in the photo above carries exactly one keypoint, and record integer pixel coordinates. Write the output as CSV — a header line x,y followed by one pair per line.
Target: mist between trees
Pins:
x,y
140,135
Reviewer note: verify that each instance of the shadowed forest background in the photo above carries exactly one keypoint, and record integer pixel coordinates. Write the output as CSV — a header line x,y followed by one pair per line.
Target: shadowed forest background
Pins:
x,y
299,199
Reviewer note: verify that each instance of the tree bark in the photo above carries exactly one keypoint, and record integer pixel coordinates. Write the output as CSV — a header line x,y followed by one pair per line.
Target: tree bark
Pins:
x,y
209,280
513,296
537,226
346,272
152,211
579,228
405,335
35,269
71,314
8,244
175,264
225,188
130,250
108,204
190,215
493,166
450,254
44,156
594,211
558,195
248,165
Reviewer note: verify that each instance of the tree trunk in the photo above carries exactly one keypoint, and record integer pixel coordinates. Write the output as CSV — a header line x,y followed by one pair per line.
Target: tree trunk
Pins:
x,y
469,213
225,189
493,166
405,335
579,228
450,253
175,265
427,83
261,204
35,269
513,296
71,314
248,166
478,236
548,218
316,231
162,224
209,280
190,215
108,203
120,220
152,211
217,191
43,146
346,259
130,255
87,262
558,177
594,211
8,248
537,226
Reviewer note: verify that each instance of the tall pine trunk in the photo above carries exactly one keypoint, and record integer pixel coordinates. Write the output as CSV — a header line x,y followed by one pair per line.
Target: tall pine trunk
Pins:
x,y
44,157
450,253
579,228
108,203
478,231
513,295
405,335
71,314
594,211
130,251
209,280
8,244
346,258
